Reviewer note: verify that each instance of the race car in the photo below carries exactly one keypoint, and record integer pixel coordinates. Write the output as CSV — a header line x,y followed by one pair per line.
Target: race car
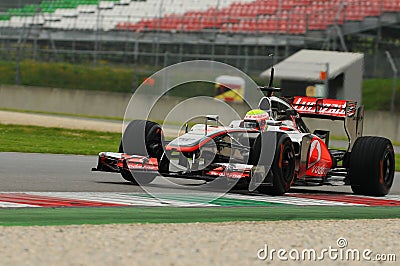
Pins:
x,y
271,149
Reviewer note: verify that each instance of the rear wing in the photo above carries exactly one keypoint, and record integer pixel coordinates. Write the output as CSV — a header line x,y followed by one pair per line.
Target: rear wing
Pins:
x,y
324,108
347,111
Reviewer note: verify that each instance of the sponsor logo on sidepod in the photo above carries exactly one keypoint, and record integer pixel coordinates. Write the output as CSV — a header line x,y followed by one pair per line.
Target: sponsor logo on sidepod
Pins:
x,y
315,153
315,157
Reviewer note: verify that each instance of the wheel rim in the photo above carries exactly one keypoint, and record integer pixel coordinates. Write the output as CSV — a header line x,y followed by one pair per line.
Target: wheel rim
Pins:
x,y
287,164
387,167
154,143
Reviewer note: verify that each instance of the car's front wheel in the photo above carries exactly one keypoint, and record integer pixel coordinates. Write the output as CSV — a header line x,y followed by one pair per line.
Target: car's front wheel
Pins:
x,y
145,138
282,170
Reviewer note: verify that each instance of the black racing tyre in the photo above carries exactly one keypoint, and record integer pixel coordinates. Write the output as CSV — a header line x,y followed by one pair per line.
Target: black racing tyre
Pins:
x,y
145,138
139,179
282,169
372,166
142,137
163,165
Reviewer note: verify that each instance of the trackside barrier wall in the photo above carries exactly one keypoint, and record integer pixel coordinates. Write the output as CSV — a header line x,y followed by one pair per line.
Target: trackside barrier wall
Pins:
x,y
113,104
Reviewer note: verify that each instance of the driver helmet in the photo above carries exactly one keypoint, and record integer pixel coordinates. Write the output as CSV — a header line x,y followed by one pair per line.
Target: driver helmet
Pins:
x,y
256,119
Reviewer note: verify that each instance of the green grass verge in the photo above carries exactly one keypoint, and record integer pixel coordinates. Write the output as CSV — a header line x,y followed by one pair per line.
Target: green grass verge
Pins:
x,y
70,76
69,216
16,138
377,94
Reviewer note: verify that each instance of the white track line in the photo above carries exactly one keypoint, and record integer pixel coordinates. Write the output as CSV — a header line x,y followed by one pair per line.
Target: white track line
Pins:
x,y
143,199
292,200
15,205
128,199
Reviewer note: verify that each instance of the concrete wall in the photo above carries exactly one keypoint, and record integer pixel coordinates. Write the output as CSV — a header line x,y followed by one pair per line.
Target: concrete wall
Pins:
x,y
64,101
376,123
111,104
114,105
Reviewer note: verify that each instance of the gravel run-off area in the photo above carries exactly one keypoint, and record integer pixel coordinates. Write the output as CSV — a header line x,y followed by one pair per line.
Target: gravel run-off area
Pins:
x,y
231,243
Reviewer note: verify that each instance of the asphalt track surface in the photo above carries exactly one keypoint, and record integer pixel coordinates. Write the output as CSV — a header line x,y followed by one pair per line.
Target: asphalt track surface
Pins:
x,y
23,172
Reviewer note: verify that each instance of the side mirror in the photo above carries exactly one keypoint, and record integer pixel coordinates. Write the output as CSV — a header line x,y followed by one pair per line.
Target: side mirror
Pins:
x,y
212,117
290,112
265,104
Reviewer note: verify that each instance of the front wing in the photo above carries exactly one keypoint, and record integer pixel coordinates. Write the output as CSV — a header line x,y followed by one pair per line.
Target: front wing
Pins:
x,y
118,162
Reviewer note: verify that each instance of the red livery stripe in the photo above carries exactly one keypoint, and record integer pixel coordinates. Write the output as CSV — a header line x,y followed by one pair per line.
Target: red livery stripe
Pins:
x,y
206,139
350,199
44,201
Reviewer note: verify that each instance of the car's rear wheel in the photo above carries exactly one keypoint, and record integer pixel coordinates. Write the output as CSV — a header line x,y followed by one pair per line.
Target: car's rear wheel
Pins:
x,y
145,138
372,166
282,170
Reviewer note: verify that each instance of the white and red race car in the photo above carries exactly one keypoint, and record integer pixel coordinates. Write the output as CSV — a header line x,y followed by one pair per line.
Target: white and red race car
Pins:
x,y
269,155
